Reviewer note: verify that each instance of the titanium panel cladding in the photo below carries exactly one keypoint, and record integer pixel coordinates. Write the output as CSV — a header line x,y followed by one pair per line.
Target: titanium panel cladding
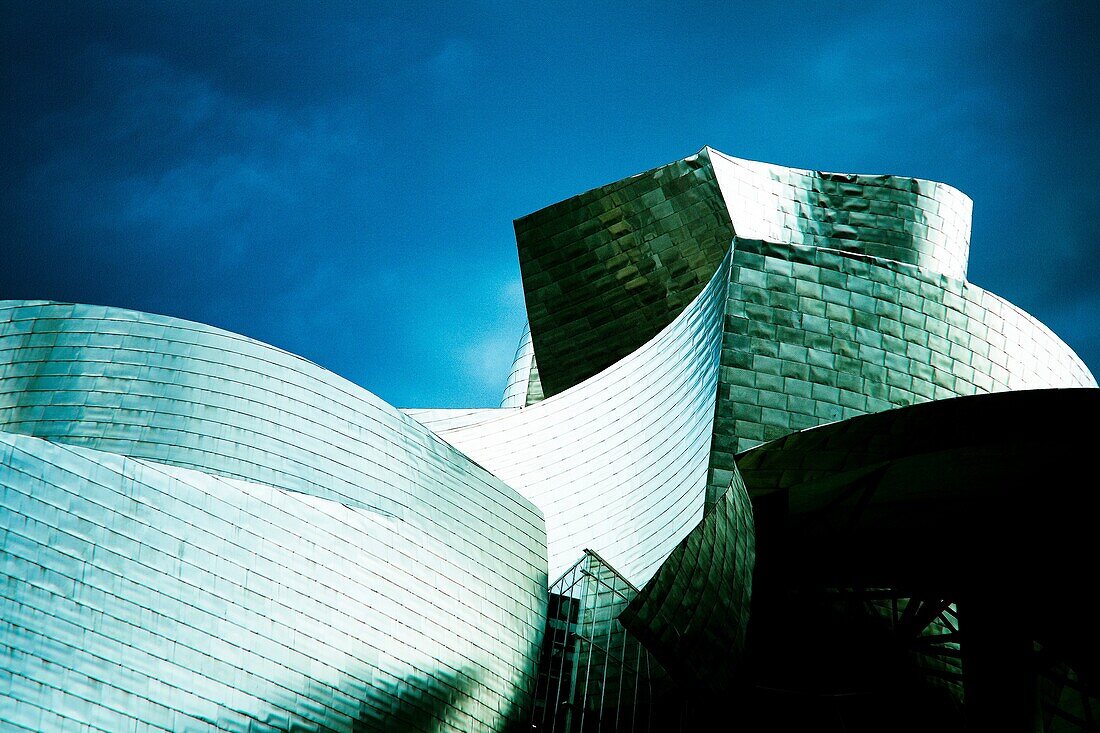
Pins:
x,y
384,533
815,336
200,531
618,463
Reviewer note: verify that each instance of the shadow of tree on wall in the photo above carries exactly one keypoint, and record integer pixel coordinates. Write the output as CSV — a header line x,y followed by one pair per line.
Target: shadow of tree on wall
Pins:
x,y
418,703
425,703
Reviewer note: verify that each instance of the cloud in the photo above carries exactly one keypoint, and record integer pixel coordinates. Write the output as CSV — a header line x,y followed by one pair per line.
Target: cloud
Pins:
x,y
486,359
511,295
451,70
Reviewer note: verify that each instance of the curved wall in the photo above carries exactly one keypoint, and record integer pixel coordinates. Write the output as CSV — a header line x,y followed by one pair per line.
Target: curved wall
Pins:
x,y
847,294
693,614
524,386
908,220
815,336
618,463
137,594
605,271
190,395
194,397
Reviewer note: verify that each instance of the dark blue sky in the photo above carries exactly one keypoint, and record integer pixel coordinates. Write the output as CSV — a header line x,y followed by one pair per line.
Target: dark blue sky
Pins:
x,y
341,181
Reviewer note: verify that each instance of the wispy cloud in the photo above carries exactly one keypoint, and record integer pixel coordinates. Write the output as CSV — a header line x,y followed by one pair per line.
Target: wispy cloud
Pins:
x,y
451,70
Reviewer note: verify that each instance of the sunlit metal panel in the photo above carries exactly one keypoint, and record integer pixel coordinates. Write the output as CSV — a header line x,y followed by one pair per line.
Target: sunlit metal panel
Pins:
x,y
421,577
618,463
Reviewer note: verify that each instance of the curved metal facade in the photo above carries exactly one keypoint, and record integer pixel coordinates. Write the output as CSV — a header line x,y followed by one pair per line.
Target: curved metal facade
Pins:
x,y
380,576
815,335
524,386
847,293
605,271
693,615
618,463
908,220
203,531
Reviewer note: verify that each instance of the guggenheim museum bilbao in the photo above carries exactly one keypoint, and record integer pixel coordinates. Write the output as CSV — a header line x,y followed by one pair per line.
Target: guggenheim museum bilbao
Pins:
x,y
765,461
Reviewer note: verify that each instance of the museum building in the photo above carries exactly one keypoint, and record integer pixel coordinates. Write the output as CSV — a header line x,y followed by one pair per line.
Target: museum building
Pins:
x,y
765,460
